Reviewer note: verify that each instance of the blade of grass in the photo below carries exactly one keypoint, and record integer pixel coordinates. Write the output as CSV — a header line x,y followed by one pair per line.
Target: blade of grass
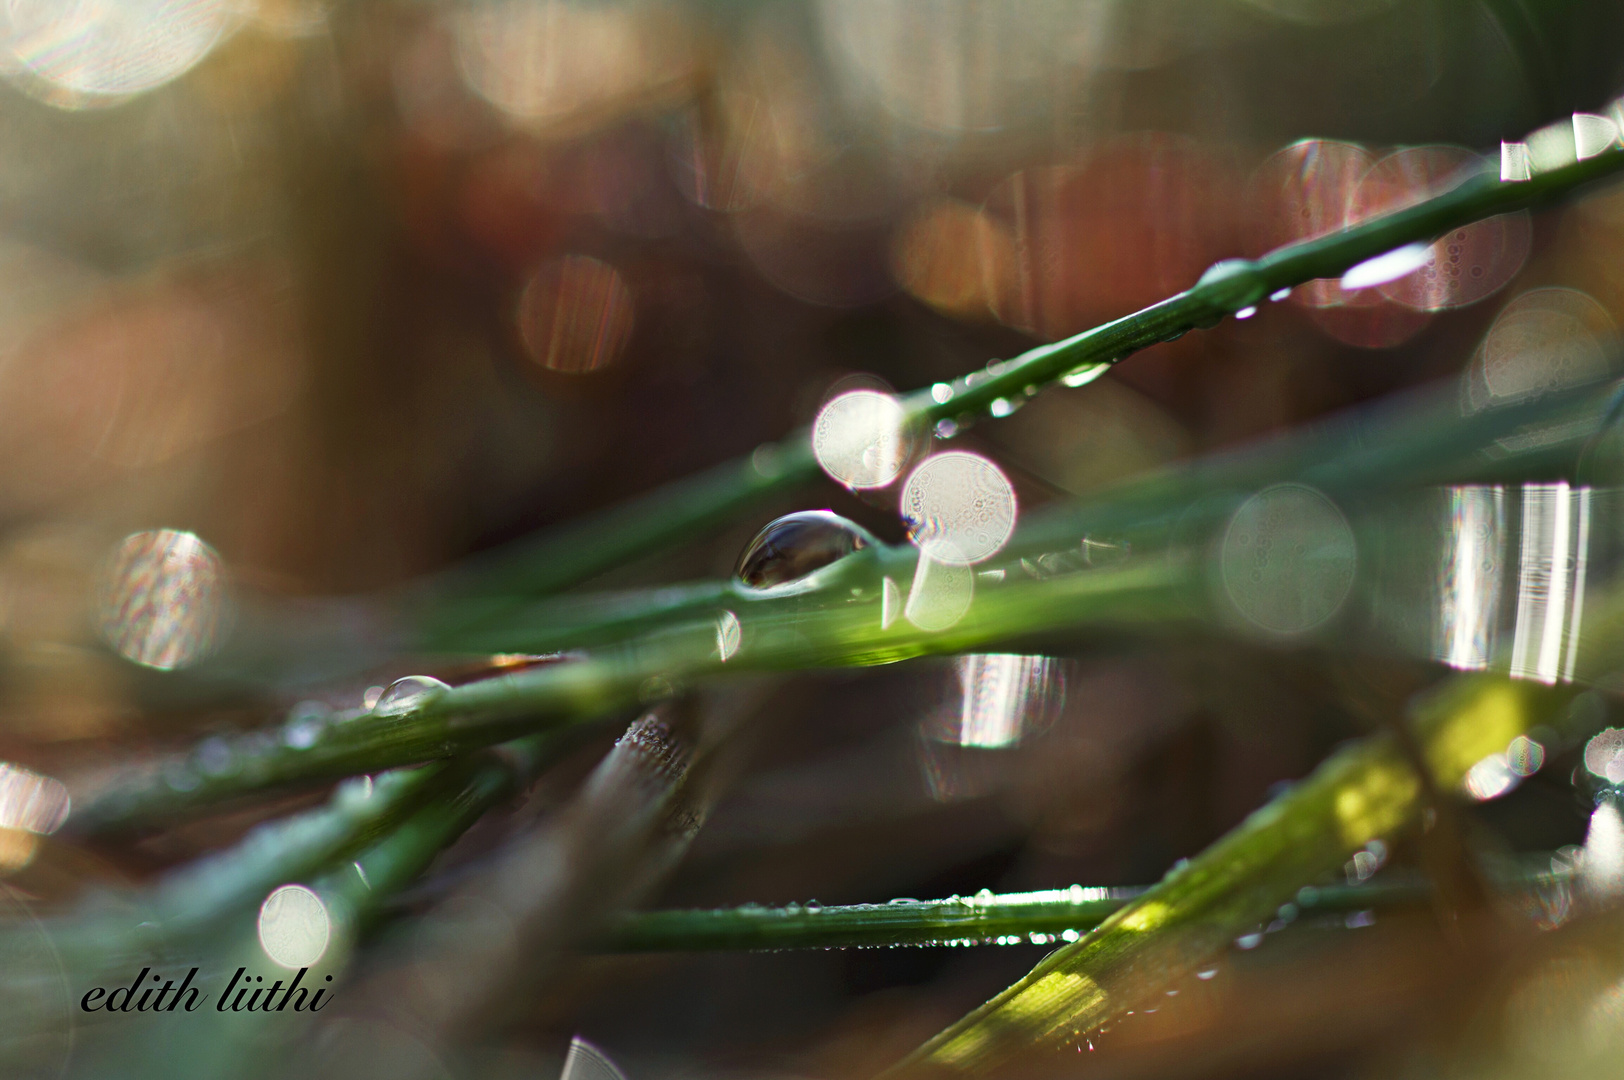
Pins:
x,y
1366,791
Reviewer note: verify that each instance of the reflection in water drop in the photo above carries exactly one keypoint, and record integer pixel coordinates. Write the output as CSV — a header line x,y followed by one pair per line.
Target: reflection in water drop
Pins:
x,y
728,635
575,315
959,507
1550,581
293,927
1389,267
586,1062
796,545
1544,340
404,695
941,591
1004,698
162,598
859,439
1469,605
1288,559
97,52
30,801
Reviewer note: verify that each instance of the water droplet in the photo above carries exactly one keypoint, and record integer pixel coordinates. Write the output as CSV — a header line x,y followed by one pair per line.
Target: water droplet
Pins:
x,y
984,896
813,907
405,695
902,900
1071,935
1206,975
796,545
941,393
294,927
1248,941
946,429
728,635
1280,294
1083,375
1246,313
306,721
1001,407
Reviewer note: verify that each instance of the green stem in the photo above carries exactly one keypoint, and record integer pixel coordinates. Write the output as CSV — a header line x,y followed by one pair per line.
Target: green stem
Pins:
x,y
559,558
670,638
1367,791
1037,918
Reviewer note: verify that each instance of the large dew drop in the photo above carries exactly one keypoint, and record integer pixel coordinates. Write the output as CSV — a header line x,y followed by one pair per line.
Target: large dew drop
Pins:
x,y
796,545
404,695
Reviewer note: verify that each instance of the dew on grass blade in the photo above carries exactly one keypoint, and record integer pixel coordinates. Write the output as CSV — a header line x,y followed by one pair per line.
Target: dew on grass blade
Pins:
x,y
162,599
795,545
294,927
1386,267
960,508
728,635
859,439
404,695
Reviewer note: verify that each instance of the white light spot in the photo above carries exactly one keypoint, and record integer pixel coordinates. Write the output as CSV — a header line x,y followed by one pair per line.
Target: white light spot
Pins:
x,y
1490,778
1550,581
1084,375
1389,267
941,393
890,603
859,439
1515,163
960,507
1246,313
941,591
1288,559
293,927
1592,135
1601,871
29,801
1604,756
1469,592
1003,696
1280,294
162,599
728,635
98,52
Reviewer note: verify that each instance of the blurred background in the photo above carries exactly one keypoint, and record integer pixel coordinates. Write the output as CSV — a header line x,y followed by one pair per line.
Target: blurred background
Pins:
x,y
350,290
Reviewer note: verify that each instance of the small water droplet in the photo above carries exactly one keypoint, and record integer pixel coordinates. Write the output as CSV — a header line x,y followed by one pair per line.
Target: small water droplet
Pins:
x,y
1280,294
1248,941
796,545
370,698
946,429
813,907
405,695
1083,375
1206,975
1246,313
728,635
306,721
941,393
984,896
902,900
1000,407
